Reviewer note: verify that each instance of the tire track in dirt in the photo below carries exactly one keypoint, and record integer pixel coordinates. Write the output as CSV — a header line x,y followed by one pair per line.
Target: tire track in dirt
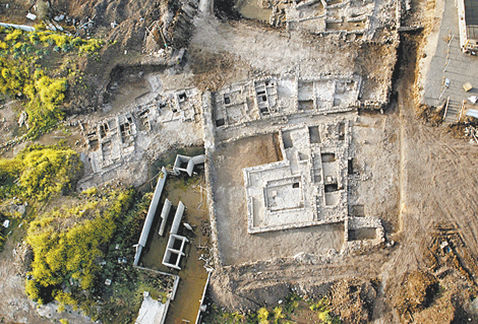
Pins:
x,y
437,184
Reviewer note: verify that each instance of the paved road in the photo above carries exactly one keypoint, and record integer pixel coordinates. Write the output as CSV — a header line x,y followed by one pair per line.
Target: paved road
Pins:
x,y
449,62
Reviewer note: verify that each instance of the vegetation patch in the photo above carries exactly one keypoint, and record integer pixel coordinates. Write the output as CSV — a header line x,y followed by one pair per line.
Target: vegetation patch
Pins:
x,y
82,256
26,59
67,241
33,176
82,250
293,310
39,172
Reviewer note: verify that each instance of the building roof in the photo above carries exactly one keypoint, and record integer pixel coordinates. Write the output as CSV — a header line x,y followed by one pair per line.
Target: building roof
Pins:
x,y
471,19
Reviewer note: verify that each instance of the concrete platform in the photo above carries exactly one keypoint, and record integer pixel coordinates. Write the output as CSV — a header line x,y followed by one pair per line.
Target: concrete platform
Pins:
x,y
449,62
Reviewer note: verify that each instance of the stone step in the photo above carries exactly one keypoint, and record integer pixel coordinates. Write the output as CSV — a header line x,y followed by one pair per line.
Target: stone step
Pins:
x,y
453,111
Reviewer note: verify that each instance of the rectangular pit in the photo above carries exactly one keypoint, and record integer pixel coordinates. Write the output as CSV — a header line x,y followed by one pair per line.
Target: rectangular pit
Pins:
x,y
367,233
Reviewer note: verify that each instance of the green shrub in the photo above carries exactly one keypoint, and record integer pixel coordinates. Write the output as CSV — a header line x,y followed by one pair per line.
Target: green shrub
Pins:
x,y
13,35
322,309
21,56
9,172
39,171
67,243
33,291
263,315
278,314
91,46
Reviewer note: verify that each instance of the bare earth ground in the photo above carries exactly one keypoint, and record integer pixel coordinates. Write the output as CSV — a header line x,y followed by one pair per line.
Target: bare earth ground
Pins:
x,y
268,51
265,51
422,177
375,184
235,244
437,185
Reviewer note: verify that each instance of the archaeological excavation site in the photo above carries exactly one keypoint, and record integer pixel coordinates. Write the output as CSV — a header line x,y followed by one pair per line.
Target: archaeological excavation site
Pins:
x,y
238,161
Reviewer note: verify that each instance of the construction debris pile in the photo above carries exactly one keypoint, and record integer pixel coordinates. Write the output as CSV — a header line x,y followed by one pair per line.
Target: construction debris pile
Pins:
x,y
472,133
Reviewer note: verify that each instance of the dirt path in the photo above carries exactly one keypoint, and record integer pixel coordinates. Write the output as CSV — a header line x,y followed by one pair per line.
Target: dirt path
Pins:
x,y
438,182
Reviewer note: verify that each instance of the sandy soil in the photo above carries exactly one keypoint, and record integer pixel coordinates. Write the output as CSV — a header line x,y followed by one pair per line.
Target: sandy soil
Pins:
x,y
269,51
211,71
9,115
437,185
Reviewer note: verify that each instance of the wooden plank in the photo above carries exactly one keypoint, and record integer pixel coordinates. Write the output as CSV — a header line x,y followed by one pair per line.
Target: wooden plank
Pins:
x,y
446,107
